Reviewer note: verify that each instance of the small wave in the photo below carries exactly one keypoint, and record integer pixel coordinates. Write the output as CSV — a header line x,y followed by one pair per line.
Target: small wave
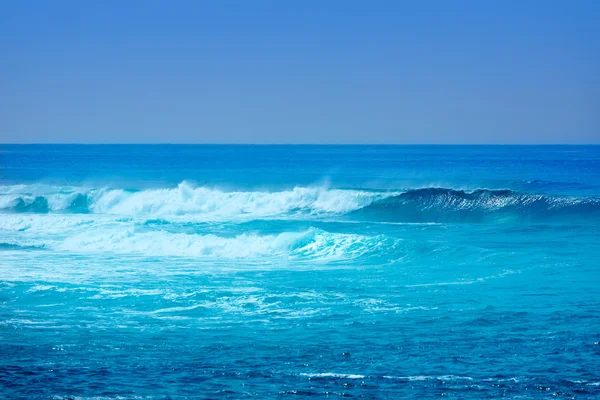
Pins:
x,y
15,246
42,204
333,375
102,397
41,288
429,378
413,378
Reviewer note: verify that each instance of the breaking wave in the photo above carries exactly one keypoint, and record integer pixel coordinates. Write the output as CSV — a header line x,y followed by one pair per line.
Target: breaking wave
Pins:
x,y
312,244
202,203
186,200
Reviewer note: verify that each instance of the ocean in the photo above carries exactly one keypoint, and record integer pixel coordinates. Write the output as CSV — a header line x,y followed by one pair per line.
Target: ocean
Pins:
x,y
238,271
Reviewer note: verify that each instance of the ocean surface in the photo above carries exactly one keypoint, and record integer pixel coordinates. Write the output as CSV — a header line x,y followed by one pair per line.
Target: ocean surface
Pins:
x,y
272,272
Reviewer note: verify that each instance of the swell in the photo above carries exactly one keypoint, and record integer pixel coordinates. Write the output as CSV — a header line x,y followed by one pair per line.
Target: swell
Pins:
x,y
482,205
186,202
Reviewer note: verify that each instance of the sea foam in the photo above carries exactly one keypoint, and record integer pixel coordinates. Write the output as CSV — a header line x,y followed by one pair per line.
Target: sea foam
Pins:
x,y
187,202
314,244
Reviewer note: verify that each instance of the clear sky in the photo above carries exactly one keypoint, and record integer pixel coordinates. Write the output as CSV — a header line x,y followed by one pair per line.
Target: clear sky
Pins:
x,y
326,71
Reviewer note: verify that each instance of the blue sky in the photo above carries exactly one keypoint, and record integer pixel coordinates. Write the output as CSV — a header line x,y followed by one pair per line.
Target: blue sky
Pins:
x,y
300,71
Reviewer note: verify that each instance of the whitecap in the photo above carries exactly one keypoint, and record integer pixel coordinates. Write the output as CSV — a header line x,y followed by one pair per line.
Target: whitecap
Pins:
x,y
333,375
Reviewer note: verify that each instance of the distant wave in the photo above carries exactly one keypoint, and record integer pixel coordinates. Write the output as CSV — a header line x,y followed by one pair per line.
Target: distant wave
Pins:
x,y
449,205
416,205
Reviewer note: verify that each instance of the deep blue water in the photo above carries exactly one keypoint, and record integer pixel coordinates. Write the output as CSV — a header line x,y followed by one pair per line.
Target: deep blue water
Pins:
x,y
296,271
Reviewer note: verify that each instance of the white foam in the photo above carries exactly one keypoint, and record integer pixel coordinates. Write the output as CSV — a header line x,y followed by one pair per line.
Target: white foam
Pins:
x,y
334,375
116,216
468,282
313,243
202,202
50,223
430,377
177,309
216,204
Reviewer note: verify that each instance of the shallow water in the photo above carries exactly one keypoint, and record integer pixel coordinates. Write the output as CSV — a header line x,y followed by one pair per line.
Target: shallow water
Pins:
x,y
295,271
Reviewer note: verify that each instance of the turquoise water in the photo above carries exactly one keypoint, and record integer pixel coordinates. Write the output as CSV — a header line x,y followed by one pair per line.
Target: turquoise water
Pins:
x,y
296,271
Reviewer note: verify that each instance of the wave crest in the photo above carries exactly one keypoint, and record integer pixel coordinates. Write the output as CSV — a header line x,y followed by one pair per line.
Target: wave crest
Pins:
x,y
188,200
450,205
202,203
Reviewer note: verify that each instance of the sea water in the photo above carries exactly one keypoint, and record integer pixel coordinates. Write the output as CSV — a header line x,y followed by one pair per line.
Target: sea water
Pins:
x,y
295,271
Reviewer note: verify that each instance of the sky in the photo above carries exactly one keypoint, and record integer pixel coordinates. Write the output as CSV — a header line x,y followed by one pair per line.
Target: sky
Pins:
x,y
327,71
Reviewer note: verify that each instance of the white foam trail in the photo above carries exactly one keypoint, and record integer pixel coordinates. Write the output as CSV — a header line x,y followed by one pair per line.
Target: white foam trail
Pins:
x,y
334,375
312,244
51,224
114,234
430,377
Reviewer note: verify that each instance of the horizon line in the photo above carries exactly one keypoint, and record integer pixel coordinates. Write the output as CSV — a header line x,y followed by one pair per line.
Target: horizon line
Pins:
x,y
291,144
